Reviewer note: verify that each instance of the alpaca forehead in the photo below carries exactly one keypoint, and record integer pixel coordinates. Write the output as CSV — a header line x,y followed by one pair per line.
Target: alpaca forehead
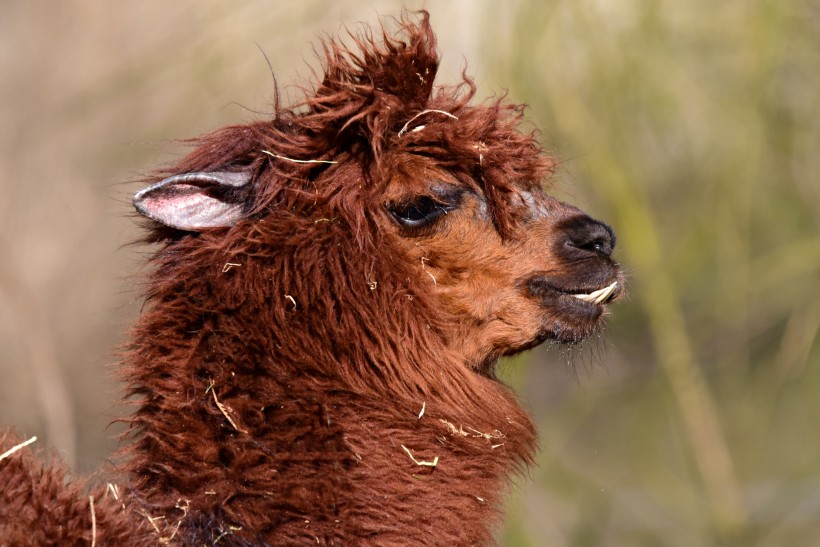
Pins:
x,y
536,202
416,175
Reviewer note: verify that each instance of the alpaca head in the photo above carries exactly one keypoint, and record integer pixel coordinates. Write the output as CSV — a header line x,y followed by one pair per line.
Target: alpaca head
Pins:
x,y
383,213
547,276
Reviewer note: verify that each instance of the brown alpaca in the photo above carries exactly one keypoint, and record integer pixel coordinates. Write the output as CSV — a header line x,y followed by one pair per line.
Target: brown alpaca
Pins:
x,y
315,362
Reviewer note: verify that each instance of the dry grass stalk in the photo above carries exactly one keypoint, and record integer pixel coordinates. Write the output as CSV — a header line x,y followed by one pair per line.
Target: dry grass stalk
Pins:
x,y
425,270
115,491
225,410
496,434
166,539
228,532
420,462
452,429
184,509
372,283
153,521
93,522
422,113
296,161
15,448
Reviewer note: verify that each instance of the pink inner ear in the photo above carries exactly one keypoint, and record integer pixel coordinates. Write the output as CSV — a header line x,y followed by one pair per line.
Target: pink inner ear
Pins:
x,y
187,207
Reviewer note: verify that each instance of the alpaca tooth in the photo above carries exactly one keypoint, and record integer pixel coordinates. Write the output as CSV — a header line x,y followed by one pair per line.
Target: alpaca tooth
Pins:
x,y
588,297
605,293
599,296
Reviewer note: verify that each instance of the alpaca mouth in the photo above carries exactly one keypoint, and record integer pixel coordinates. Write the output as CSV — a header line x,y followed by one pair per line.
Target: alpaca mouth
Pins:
x,y
572,313
600,296
548,292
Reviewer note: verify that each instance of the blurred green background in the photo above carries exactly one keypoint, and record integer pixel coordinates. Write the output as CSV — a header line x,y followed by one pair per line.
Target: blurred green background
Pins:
x,y
692,127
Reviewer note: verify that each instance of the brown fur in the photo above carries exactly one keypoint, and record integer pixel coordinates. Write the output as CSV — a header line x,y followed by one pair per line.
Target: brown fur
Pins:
x,y
283,360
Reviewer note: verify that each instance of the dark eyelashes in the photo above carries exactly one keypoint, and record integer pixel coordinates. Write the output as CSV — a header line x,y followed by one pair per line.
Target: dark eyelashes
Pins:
x,y
423,211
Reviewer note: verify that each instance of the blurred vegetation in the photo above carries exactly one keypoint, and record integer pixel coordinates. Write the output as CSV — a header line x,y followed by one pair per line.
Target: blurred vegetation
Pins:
x,y
692,127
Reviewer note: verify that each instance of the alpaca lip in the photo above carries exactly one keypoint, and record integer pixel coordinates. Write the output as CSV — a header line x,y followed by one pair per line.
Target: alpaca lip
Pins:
x,y
600,296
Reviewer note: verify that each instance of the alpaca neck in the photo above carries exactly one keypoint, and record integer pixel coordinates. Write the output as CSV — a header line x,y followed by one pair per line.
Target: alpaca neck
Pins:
x,y
233,436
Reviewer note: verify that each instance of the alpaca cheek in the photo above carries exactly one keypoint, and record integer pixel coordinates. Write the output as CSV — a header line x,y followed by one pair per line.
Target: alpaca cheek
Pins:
x,y
493,316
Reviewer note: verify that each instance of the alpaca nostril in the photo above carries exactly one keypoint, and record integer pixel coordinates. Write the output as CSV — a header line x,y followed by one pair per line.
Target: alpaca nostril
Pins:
x,y
590,235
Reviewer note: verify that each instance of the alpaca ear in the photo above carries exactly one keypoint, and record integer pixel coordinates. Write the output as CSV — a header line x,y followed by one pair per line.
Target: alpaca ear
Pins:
x,y
193,201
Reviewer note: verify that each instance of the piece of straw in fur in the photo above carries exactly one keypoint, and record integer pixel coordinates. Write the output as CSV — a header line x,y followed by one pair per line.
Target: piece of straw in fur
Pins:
x,y
420,462
93,522
224,409
423,267
422,113
15,448
295,160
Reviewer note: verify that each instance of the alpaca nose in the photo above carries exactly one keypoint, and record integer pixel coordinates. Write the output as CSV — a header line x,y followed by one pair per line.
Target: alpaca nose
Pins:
x,y
590,235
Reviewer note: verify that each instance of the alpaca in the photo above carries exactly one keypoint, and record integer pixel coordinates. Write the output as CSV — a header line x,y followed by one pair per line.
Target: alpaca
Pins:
x,y
331,292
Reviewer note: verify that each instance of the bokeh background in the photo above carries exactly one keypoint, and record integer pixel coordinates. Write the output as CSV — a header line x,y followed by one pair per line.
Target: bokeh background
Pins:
x,y
692,127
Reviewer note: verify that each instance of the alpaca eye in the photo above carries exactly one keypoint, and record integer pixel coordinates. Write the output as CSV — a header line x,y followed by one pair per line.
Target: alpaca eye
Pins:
x,y
419,212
